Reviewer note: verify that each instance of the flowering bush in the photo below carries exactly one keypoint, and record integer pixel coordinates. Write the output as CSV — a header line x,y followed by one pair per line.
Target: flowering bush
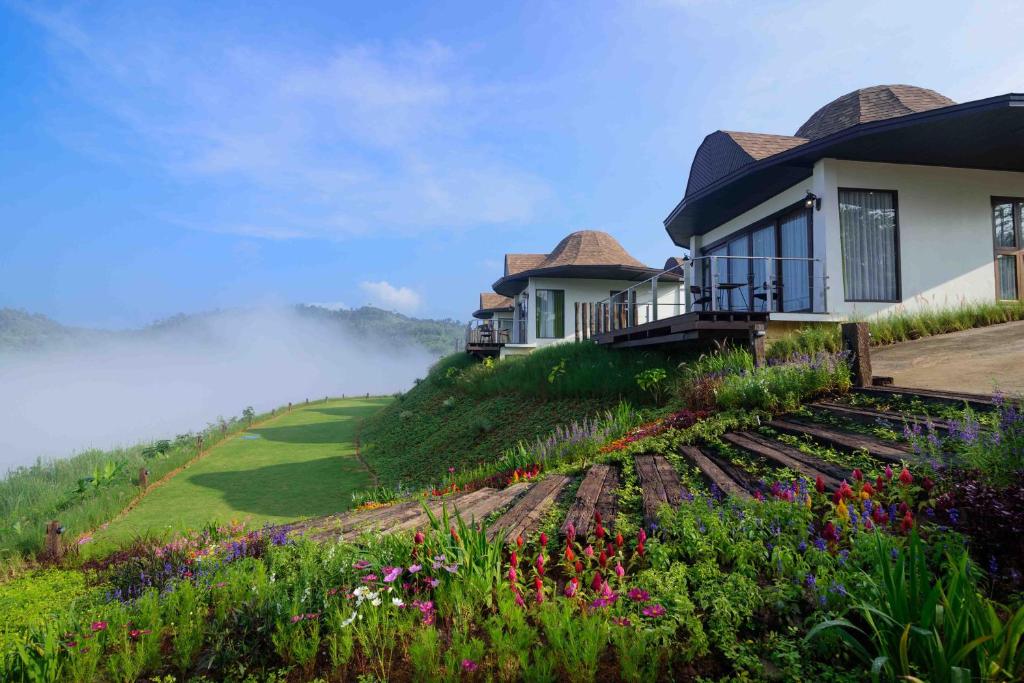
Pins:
x,y
679,420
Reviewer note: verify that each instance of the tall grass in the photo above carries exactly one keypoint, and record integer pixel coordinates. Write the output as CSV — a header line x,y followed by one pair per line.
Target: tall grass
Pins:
x,y
567,371
899,326
61,489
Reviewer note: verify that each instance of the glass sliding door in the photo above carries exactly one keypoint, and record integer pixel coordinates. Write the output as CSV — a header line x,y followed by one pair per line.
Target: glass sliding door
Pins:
x,y
738,285
762,243
869,239
550,313
1007,219
795,243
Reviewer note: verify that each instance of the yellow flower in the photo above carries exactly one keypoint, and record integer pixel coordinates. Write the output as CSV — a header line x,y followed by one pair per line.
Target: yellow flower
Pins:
x,y
842,511
864,495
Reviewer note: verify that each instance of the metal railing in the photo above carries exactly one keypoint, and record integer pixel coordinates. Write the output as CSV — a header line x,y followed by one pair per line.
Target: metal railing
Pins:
x,y
758,285
486,333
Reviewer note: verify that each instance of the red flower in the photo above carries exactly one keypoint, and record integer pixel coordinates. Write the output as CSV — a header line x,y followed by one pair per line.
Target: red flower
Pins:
x,y
540,565
543,539
418,538
519,540
869,489
640,548
905,477
642,535
829,533
512,575
600,531
619,540
858,475
538,584
819,484
578,567
597,517
927,484
455,534
907,523
602,559
596,583
879,483
515,559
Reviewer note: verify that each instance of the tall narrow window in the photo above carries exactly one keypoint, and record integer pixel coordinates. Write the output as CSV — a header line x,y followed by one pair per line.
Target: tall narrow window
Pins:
x,y
1007,217
869,236
795,249
550,313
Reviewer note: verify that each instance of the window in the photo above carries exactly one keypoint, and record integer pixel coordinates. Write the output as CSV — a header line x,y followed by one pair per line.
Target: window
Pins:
x,y
749,282
550,313
1008,239
869,237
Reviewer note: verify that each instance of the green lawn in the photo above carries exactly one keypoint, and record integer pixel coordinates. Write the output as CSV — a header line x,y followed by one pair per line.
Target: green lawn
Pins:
x,y
297,465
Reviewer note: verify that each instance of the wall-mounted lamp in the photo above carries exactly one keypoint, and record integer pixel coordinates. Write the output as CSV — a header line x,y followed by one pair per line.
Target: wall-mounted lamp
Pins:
x,y
812,200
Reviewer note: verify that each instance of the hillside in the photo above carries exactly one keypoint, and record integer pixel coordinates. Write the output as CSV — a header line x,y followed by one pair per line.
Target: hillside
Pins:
x,y
465,413
24,331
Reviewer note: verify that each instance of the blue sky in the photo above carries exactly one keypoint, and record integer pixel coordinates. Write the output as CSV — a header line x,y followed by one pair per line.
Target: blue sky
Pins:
x,y
176,157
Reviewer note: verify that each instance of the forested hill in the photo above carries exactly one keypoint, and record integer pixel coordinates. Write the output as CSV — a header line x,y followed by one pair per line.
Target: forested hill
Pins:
x,y
24,331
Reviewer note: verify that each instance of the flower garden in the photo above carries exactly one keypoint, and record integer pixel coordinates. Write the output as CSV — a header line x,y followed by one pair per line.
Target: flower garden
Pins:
x,y
889,569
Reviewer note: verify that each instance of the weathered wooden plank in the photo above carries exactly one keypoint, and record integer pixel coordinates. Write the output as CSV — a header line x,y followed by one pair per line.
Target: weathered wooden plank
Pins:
x,y
877,448
651,487
822,466
670,480
581,513
527,513
871,417
713,473
776,455
608,501
475,505
417,516
975,401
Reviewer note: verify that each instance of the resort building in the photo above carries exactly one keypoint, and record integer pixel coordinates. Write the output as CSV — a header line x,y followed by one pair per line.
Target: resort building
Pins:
x,y
548,291
890,196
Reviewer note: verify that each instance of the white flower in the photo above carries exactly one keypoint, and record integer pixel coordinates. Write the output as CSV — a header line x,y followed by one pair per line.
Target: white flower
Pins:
x,y
397,602
375,602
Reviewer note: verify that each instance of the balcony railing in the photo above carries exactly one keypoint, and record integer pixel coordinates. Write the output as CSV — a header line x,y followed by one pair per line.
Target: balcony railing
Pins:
x,y
752,284
486,334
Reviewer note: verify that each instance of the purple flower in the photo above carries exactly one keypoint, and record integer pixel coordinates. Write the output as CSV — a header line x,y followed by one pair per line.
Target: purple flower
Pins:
x,y
655,610
469,665
413,568
391,573
639,595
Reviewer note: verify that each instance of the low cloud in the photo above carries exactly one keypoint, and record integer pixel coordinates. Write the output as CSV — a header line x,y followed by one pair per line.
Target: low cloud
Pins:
x,y
385,295
120,389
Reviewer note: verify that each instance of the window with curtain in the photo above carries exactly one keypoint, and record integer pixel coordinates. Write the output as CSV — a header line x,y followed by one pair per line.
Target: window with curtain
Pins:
x,y
550,313
795,243
1007,219
869,239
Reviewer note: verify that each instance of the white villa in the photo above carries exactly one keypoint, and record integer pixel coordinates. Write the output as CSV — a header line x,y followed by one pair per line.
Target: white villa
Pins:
x,y
890,196
546,291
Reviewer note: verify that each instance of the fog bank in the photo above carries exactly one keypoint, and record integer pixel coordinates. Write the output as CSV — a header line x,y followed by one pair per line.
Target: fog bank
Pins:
x,y
173,379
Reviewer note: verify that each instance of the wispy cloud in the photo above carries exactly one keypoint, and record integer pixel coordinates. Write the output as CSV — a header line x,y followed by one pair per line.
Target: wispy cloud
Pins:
x,y
385,295
352,139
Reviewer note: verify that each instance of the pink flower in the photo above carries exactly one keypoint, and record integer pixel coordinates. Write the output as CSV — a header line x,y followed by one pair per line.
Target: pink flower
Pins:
x,y
570,531
361,565
369,577
540,565
84,539
888,472
391,573
571,587
418,538
653,611
469,665
621,621
639,595
512,576
619,570
413,568
451,470
297,618
589,551
98,626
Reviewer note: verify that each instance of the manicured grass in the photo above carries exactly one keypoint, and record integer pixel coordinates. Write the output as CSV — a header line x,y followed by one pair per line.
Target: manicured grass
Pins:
x,y
300,464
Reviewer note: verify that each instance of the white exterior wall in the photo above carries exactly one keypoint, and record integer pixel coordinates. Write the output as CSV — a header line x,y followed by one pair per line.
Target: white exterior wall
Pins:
x,y
576,290
945,231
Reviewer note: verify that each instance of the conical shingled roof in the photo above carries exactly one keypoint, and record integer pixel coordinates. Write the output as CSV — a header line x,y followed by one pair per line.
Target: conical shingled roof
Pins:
x,y
582,254
876,103
491,303
589,248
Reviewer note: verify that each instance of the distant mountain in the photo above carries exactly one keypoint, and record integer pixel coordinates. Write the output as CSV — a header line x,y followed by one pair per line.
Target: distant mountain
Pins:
x,y
24,331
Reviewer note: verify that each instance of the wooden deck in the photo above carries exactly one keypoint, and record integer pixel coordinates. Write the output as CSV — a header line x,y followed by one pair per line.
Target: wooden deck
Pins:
x,y
526,515
704,326
659,484
595,494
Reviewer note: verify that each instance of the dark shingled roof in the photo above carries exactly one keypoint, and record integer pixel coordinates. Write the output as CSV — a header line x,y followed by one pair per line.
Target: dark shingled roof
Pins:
x,y
491,303
870,104
725,151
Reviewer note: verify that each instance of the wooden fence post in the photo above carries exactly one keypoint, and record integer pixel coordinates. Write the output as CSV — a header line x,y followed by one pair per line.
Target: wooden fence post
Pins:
x,y
199,443
757,347
857,341
576,319
143,478
53,549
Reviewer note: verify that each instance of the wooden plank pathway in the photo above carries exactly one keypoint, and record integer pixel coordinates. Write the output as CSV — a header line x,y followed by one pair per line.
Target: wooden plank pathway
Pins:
x,y
883,450
659,484
871,417
786,456
975,401
596,493
526,515
714,473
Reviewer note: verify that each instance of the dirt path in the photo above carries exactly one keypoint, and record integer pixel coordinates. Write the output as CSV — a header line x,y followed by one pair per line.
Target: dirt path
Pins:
x,y
975,361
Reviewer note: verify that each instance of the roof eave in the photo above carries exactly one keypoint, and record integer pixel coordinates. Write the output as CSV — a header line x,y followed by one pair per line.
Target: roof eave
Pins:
x,y
807,154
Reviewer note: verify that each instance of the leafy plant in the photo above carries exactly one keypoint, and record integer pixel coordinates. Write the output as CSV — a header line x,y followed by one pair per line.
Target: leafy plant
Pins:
x,y
652,381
